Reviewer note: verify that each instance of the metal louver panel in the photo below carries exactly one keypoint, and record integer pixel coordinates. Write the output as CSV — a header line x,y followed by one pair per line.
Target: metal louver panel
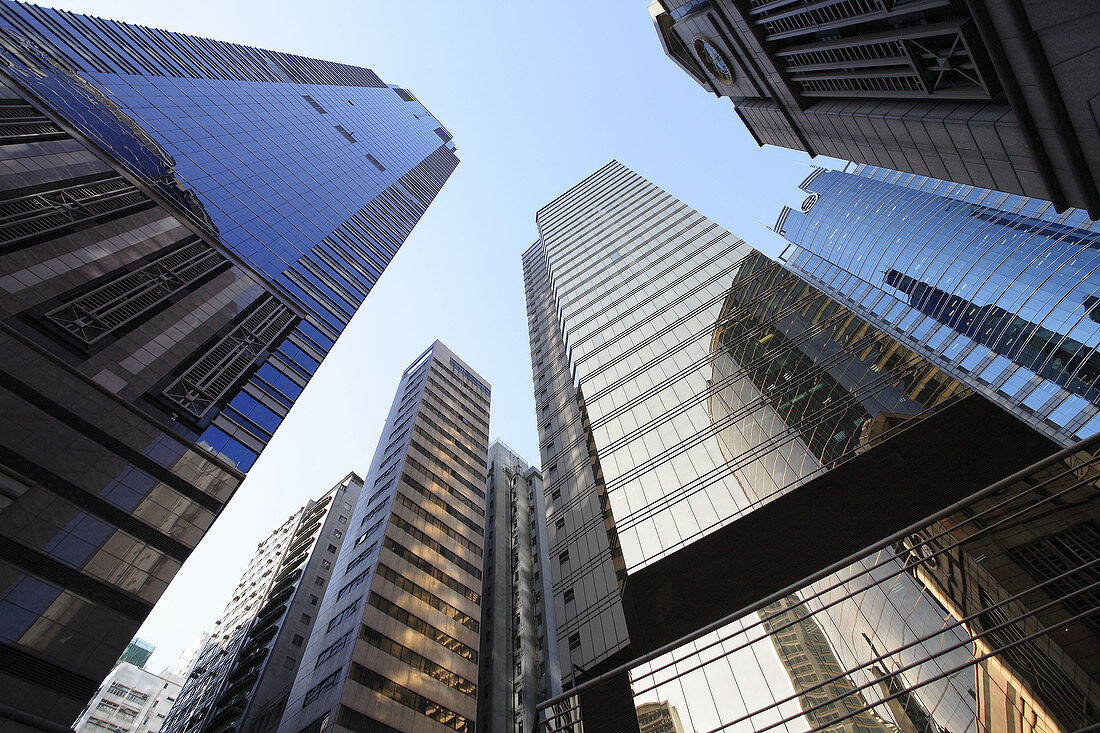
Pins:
x,y
206,381
62,208
21,123
93,315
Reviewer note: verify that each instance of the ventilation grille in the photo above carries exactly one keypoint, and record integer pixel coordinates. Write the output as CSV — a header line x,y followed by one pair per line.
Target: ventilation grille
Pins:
x,y
51,212
109,307
209,379
22,123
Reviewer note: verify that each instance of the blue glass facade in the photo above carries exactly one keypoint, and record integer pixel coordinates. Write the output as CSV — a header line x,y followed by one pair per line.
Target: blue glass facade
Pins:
x,y
186,226
998,289
309,173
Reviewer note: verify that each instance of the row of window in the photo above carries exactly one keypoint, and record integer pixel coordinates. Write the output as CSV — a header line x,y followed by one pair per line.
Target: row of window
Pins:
x,y
422,627
417,661
400,581
408,698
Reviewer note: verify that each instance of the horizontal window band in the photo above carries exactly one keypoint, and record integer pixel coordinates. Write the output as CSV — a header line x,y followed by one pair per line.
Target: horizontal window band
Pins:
x,y
94,505
73,580
108,442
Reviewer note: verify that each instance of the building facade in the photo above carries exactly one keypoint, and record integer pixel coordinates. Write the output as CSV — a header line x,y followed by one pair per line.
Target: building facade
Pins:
x,y
130,700
396,645
175,263
998,289
519,660
720,439
990,93
240,679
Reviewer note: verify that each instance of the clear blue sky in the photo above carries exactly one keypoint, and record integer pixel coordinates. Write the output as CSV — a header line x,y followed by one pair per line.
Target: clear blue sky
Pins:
x,y
537,97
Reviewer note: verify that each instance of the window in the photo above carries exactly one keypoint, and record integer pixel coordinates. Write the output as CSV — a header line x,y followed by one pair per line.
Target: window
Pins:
x,y
306,618
337,533
289,663
569,597
563,557
574,642
318,580
326,564
332,548
555,495
342,519
559,524
297,640
313,599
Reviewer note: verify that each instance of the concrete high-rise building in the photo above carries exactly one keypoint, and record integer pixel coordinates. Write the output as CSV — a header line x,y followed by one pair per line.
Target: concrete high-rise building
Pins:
x,y
990,93
1000,290
767,511
519,659
241,678
130,700
397,636
186,227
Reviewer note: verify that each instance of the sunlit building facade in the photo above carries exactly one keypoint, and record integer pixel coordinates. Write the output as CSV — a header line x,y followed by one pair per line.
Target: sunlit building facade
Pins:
x,y
728,454
186,226
396,643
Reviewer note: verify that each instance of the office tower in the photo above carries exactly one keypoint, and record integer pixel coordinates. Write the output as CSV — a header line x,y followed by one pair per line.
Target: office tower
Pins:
x,y
397,635
130,700
241,678
137,653
186,226
990,93
519,659
767,512
997,289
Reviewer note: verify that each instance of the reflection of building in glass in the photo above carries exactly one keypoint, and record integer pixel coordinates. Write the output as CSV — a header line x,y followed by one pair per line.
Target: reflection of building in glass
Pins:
x,y
396,640
659,717
186,227
800,384
981,92
998,289
519,664
716,432
805,652
241,677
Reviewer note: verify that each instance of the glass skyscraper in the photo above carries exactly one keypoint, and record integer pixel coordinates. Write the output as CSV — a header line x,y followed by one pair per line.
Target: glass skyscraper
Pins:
x,y
186,226
1000,290
749,497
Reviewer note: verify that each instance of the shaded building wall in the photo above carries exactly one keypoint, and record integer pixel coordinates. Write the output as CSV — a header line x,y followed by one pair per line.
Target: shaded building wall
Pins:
x,y
519,659
991,93
240,679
